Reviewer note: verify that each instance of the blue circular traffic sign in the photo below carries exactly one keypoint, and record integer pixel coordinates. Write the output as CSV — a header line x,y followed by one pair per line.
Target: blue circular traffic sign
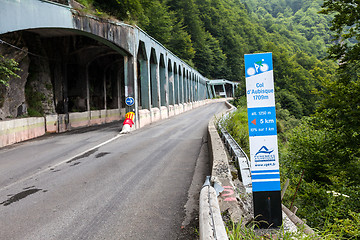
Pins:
x,y
129,101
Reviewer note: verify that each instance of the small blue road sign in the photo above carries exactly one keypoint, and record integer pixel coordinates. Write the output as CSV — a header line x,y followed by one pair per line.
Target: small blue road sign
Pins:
x,y
129,101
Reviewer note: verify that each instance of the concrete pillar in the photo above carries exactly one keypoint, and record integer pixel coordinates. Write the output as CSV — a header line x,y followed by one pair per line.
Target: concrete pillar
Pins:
x,y
189,88
87,87
104,86
118,90
197,89
131,86
128,82
65,96
163,85
171,87
176,87
192,88
185,87
224,90
181,87
203,90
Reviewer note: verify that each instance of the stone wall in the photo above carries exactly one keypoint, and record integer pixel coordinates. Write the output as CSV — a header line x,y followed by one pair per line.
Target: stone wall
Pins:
x,y
33,90
13,96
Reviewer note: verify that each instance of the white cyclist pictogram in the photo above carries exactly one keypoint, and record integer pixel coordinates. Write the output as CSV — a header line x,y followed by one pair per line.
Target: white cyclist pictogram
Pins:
x,y
258,66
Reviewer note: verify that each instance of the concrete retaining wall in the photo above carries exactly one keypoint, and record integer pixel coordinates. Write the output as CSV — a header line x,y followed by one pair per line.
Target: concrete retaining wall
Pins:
x,y
155,114
171,111
114,115
144,117
79,119
97,117
17,130
51,122
164,112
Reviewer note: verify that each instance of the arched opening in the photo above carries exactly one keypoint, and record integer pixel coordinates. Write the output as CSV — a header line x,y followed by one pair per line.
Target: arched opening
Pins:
x,y
154,77
143,78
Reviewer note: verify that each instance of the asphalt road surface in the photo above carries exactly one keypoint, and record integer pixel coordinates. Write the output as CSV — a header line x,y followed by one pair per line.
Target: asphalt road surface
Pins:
x,y
96,184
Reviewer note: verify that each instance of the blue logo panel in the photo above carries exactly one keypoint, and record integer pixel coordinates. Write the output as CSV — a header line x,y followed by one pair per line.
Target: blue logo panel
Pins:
x,y
257,63
262,121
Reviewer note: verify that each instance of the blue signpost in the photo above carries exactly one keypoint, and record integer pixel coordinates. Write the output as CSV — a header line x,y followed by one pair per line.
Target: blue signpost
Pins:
x,y
129,101
263,139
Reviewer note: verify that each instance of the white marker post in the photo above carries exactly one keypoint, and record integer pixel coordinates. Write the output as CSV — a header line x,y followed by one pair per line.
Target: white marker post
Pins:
x,y
263,139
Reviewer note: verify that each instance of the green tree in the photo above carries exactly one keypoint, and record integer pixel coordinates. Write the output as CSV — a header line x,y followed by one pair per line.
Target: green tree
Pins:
x,y
8,69
126,10
158,22
180,43
339,108
345,25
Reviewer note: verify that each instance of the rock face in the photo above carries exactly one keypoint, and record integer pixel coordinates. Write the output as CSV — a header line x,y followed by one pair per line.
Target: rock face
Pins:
x,y
14,95
33,91
39,89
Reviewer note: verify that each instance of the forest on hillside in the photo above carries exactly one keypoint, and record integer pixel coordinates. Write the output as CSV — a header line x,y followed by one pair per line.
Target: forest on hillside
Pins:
x,y
316,72
316,64
214,35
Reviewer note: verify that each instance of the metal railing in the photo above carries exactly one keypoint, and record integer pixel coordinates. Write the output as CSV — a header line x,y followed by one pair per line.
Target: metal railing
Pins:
x,y
238,155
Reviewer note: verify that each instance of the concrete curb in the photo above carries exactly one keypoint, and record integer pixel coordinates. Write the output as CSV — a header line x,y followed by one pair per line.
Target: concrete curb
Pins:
x,y
211,224
210,221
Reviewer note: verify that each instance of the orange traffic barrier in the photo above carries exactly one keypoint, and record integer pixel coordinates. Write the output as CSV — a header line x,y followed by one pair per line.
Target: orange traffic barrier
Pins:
x,y
128,122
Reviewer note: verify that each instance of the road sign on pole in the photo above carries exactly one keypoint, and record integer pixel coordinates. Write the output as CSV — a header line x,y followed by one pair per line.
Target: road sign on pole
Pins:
x,y
129,101
263,139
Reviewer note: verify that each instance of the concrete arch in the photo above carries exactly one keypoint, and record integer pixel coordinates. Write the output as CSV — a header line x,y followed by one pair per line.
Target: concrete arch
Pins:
x,y
115,59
